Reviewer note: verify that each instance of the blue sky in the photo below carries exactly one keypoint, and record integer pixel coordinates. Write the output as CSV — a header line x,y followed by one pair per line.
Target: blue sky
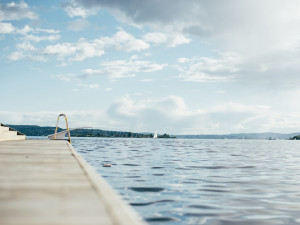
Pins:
x,y
174,66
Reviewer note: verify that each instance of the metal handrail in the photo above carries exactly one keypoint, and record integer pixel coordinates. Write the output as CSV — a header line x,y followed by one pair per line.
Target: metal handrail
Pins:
x,y
66,119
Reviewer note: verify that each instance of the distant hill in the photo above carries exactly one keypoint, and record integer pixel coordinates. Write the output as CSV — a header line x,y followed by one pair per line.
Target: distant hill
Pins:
x,y
33,130
267,135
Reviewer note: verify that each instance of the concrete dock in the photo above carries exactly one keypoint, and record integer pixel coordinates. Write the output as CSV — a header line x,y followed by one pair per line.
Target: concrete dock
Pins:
x,y
48,182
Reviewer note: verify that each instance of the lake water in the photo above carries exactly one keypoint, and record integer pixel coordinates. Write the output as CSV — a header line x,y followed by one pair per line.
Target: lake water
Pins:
x,y
194,181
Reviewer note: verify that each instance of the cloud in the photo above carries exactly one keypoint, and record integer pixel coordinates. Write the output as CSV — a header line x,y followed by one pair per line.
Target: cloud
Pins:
x,y
25,30
16,11
75,118
172,115
241,25
24,52
78,25
183,60
275,71
210,69
89,86
36,38
126,42
265,34
73,9
155,37
83,49
121,68
168,114
74,51
66,77
49,31
28,32
26,46
6,28
15,56
113,70
169,39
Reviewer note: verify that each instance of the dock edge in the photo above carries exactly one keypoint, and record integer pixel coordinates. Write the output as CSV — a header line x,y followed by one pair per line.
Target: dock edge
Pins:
x,y
120,211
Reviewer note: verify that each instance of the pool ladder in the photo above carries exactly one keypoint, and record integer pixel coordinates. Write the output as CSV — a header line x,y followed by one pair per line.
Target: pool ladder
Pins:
x,y
66,119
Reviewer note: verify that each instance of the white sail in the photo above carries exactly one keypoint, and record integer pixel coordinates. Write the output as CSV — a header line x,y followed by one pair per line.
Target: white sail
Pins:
x,y
155,135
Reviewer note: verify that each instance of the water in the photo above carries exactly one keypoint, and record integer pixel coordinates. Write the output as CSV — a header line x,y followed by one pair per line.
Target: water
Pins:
x,y
187,181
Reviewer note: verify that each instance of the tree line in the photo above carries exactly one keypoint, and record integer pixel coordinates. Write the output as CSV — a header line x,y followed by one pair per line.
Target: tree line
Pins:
x,y
33,130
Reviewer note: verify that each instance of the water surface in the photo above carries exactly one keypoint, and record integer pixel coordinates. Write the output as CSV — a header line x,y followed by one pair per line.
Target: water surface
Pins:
x,y
195,181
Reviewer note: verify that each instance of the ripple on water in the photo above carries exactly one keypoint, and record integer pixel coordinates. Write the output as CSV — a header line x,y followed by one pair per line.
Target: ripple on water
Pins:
x,y
210,181
182,168
130,164
201,214
201,207
132,176
160,219
209,167
212,190
150,203
146,189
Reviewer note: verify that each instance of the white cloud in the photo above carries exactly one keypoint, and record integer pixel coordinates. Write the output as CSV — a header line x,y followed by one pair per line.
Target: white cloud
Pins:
x,y
78,25
122,68
89,86
172,115
169,114
74,51
177,39
266,34
6,28
183,60
66,77
25,54
26,29
155,37
26,46
15,56
171,39
83,49
76,118
36,38
220,92
73,9
49,31
208,69
16,11
126,42
242,25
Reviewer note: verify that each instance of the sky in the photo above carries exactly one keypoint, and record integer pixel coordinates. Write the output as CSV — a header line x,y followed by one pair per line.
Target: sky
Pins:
x,y
171,66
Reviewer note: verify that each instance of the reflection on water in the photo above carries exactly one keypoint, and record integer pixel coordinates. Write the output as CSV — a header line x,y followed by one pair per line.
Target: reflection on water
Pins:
x,y
187,181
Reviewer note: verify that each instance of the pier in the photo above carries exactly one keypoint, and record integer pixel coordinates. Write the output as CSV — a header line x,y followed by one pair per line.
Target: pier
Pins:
x,y
48,182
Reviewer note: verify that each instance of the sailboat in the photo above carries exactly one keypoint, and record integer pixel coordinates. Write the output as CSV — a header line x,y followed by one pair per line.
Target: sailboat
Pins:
x,y
155,135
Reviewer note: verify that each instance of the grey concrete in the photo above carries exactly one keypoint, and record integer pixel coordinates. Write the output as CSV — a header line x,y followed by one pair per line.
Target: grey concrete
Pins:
x,y
7,134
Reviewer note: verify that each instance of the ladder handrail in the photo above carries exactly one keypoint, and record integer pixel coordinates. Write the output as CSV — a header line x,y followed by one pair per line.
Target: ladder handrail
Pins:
x,y
66,119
